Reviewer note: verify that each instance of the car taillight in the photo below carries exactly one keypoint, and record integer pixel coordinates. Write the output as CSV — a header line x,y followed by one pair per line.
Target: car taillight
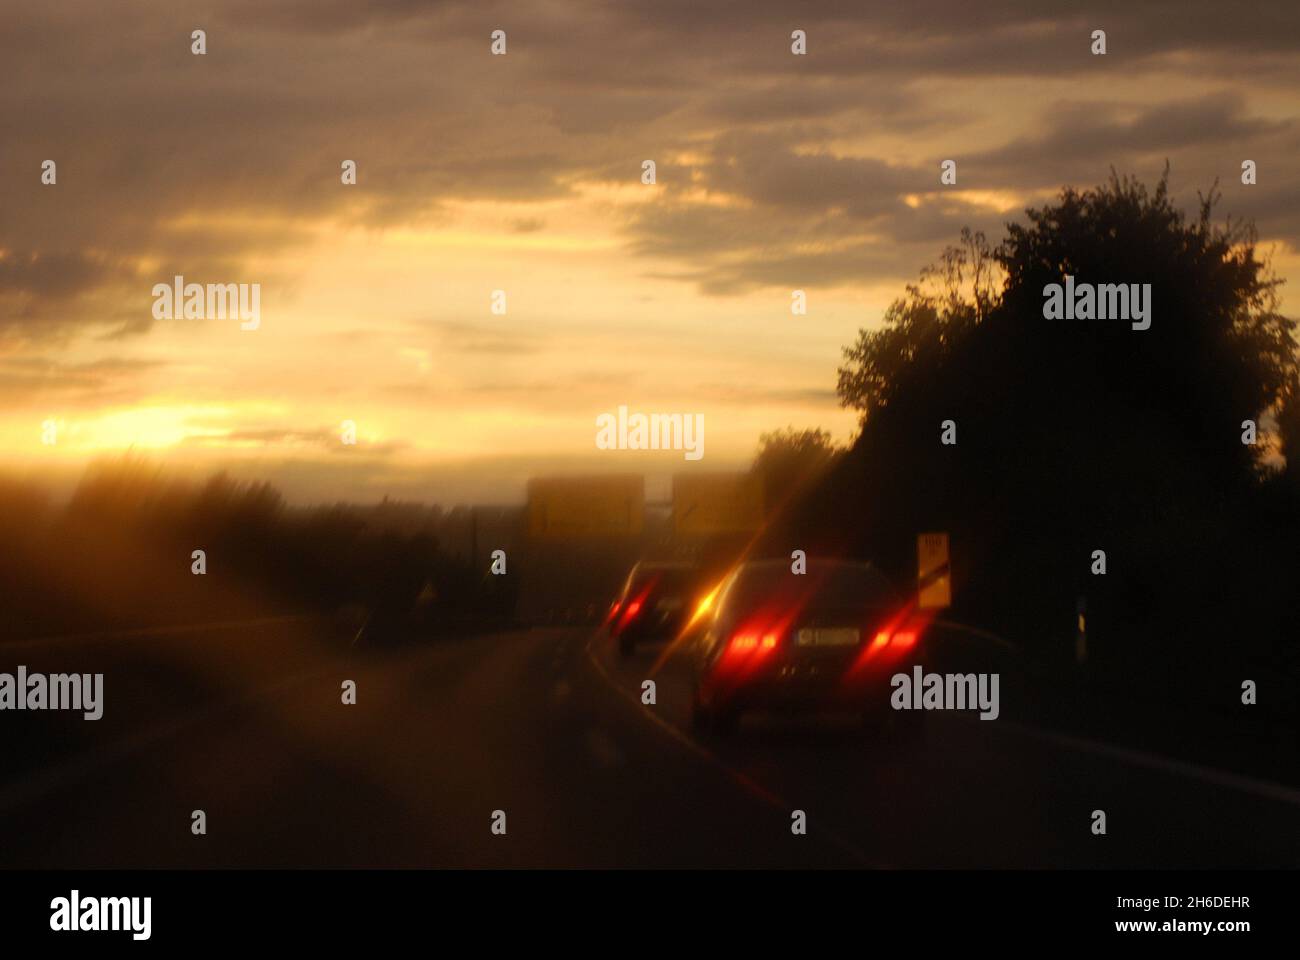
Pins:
x,y
899,639
630,611
891,640
753,642
904,639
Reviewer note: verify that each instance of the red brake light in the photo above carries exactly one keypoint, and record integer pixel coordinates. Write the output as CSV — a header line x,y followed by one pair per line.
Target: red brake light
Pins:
x,y
752,642
631,609
893,639
901,639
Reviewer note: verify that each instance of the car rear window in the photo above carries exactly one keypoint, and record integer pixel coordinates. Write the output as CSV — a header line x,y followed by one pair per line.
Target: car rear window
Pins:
x,y
670,580
842,584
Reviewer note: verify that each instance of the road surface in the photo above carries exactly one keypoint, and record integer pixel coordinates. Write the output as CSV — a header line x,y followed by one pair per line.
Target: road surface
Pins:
x,y
245,722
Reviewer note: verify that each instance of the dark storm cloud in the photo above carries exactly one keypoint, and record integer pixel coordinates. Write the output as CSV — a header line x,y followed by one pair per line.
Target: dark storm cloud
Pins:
x,y
1157,26
952,35
727,252
42,293
761,102
793,270
1204,140
802,219
765,170
202,163
53,276
1082,139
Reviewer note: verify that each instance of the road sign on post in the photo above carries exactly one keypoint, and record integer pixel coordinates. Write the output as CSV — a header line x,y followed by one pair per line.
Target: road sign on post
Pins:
x,y
933,571
583,507
712,504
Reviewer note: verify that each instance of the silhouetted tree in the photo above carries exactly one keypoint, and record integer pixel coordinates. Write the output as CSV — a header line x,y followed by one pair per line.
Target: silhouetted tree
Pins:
x,y
922,328
790,460
1072,435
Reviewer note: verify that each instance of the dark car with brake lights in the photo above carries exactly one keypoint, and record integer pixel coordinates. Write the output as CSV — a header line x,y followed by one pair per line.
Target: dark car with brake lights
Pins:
x,y
654,605
830,638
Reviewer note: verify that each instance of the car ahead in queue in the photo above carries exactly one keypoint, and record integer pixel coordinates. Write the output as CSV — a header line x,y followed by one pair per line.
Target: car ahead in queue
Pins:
x,y
828,639
654,604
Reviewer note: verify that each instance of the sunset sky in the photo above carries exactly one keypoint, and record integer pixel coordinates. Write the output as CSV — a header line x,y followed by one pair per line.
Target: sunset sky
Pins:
x,y
523,173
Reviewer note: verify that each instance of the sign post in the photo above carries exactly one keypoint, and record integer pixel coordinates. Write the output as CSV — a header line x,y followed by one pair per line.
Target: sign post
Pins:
x,y
933,572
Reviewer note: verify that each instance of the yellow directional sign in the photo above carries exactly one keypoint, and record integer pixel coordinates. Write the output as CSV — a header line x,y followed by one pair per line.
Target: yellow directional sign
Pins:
x,y
599,506
706,504
933,571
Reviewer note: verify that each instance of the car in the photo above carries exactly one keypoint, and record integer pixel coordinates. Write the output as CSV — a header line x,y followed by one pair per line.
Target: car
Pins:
x,y
830,638
653,605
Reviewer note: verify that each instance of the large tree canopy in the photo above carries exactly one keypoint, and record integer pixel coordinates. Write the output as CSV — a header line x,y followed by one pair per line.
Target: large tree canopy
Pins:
x,y
1074,434
1219,350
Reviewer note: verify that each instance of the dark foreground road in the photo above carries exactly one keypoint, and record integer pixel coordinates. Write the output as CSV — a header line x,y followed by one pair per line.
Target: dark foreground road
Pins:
x,y
246,724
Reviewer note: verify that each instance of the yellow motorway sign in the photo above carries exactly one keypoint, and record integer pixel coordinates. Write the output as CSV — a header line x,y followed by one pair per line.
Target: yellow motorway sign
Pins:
x,y
706,504
597,506
933,571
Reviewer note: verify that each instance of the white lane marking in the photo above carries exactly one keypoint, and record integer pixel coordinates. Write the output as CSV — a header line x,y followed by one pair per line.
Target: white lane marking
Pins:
x,y
976,632
1153,761
1139,758
743,780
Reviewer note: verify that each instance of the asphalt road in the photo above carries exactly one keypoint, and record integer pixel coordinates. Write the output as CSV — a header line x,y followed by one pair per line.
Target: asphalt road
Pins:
x,y
246,723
